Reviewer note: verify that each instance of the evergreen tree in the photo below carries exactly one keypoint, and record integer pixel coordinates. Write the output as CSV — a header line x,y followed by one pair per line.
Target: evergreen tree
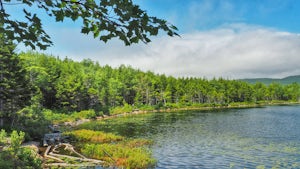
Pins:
x,y
15,91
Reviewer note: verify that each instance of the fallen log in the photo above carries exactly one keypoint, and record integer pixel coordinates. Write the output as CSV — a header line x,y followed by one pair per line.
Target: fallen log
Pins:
x,y
76,158
68,165
51,157
71,148
50,153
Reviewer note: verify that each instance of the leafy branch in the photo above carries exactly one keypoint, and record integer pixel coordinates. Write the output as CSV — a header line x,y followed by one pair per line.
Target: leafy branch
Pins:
x,y
105,19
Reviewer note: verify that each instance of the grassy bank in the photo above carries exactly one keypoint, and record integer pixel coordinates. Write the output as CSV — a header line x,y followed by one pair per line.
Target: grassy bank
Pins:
x,y
119,111
118,150
75,118
113,149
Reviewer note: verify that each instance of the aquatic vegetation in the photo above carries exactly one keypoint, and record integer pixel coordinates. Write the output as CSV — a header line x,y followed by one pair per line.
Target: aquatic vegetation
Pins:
x,y
137,143
260,167
84,135
120,155
113,149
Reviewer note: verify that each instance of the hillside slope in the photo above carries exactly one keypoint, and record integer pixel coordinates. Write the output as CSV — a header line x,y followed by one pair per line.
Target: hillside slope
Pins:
x,y
267,81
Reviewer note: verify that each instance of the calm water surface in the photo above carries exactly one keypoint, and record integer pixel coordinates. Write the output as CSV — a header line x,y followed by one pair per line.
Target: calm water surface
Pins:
x,y
233,138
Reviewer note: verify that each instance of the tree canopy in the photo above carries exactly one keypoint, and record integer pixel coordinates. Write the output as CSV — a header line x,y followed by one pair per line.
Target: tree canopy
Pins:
x,y
105,19
15,91
76,86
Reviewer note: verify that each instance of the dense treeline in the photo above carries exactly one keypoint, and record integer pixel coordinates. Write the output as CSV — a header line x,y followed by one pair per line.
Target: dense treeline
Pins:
x,y
37,89
74,86
43,82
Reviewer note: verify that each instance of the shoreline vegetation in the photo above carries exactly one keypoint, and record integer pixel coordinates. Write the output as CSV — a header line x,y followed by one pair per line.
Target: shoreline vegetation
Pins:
x,y
112,149
45,90
78,118
119,151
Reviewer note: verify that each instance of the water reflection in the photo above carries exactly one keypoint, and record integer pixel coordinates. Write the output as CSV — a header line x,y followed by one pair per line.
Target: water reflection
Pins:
x,y
234,138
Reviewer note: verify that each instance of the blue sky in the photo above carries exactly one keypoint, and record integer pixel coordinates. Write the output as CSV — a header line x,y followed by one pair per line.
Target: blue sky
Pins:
x,y
192,15
219,38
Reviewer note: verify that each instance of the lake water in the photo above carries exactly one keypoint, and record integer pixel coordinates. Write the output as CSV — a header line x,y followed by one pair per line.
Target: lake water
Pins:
x,y
231,138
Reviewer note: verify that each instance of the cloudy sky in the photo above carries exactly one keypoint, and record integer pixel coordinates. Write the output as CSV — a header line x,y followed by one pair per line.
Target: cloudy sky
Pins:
x,y
219,38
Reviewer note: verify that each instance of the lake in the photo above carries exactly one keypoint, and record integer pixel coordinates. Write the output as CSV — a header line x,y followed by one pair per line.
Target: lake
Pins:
x,y
263,137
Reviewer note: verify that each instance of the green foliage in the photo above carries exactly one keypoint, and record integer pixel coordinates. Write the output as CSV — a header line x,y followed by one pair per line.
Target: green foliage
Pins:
x,y
16,156
84,89
114,149
66,90
93,136
146,107
267,81
16,140
84,114
28,159
126,108
3,135
71,86
105,19
120,155
15,89
32,121
56,117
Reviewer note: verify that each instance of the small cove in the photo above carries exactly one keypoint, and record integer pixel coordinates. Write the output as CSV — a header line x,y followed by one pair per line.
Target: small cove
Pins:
x,y
225,138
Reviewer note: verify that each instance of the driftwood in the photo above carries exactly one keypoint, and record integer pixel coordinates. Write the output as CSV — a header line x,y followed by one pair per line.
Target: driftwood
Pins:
x,y
55,140
51,157
50,153
67,165
71,148
77,158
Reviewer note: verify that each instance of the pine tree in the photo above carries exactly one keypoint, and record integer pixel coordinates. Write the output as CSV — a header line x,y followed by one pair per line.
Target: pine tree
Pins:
x,y
15,88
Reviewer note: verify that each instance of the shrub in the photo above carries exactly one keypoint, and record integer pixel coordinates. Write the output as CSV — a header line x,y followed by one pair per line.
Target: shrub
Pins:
x,y
121,109
85,114
3,135
146,108
32,121
61,117
15,156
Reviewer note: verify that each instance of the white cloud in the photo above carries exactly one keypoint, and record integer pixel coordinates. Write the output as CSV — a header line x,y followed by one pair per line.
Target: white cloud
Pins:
x,y
231,51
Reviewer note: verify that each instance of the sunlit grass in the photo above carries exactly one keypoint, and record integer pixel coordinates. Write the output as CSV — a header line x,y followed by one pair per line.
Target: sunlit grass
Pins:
x,y
120,155
84,135
113,149
57,118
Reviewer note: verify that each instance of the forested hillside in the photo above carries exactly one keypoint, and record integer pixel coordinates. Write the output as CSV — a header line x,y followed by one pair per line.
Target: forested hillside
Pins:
x,y
64,84
267,81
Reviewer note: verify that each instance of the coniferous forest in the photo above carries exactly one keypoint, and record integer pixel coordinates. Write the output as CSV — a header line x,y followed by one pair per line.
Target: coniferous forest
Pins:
x,y
63,84
44,82
38,89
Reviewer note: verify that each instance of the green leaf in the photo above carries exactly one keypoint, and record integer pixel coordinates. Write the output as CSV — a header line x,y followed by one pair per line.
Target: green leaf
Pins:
x,y
49,2
59,15
85,30
134,39
119,18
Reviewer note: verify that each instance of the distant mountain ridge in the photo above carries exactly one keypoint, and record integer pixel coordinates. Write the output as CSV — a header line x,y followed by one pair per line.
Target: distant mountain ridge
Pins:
x,y
267,81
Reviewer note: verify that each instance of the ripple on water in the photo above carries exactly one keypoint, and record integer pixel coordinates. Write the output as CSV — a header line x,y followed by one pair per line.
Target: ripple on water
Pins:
x,y
228,140
234,138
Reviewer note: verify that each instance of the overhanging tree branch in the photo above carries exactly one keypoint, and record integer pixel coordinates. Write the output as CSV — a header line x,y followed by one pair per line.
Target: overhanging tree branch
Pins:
x,y
105,19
